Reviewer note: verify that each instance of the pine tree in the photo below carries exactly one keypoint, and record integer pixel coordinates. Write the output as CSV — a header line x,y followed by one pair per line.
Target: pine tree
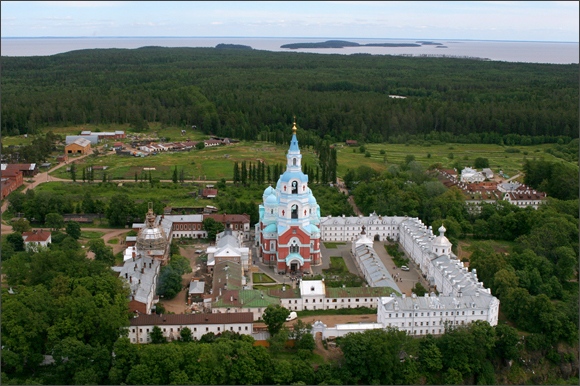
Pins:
x,y
135,176
175,175
236,173
73,172
244,172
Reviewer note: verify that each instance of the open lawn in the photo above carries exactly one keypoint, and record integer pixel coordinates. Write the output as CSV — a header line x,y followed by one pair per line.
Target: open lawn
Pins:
x,y
337,266
267,287
168,193
466,154
332,245
212,163
262,278
92,234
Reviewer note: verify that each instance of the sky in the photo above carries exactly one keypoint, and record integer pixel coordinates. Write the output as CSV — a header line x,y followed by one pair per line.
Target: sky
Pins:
x,y
476,20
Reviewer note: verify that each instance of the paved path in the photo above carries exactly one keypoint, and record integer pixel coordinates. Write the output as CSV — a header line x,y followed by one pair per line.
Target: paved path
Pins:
x,y
410,278
344,190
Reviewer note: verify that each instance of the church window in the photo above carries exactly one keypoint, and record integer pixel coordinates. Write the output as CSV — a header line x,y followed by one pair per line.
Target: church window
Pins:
x,y
294,211
294,161
294,187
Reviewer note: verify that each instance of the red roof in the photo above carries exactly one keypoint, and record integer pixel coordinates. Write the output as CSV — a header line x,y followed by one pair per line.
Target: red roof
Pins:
x,y
209,192
244,218
187,319
10,173
118,144
36,236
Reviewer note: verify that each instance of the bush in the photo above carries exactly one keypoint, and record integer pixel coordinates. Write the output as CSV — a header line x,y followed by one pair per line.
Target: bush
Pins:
x,y
383,151
553,356
368,154
419,290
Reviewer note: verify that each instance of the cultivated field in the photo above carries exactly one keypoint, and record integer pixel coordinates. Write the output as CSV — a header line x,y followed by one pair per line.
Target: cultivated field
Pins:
x,y
215,163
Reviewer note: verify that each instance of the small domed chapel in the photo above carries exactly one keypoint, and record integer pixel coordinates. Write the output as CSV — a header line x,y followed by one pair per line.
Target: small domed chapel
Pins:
x,y
288,233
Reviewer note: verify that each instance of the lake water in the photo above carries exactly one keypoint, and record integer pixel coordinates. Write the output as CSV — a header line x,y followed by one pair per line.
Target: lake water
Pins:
x,y
510,51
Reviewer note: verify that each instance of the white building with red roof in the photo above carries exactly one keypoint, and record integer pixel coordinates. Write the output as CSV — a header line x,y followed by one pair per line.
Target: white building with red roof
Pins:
x,y
34,239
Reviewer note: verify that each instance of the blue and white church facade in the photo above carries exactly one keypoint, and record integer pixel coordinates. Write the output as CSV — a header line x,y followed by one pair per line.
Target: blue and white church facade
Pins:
x,y
288,234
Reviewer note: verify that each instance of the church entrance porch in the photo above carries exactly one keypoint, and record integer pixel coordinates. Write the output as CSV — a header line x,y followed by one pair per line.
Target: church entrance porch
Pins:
x,y
294,267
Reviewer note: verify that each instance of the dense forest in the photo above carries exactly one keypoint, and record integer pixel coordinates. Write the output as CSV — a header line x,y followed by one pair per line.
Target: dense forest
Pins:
x,y
253,94
53,287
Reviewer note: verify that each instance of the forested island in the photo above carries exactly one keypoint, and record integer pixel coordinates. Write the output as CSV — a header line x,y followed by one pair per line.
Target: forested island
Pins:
x,y
251,94
223,46
429,43
342,44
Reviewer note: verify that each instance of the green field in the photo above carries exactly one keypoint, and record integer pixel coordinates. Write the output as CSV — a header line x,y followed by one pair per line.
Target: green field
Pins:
x,y
211,164
332,245
267,287
92,234
217,162
510,163
337,266
168,193
262,278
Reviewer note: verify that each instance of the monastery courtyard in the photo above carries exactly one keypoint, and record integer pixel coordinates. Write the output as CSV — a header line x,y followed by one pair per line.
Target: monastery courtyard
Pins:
x,y
409,278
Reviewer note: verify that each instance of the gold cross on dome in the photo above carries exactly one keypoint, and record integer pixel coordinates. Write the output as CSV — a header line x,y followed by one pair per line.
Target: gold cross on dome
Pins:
x,y
294,127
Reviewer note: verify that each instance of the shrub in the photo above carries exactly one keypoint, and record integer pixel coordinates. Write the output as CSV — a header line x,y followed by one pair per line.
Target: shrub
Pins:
x,y
368,154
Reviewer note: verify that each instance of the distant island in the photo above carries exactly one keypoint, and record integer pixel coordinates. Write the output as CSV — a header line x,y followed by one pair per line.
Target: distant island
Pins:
x,y
223,46
427,43
343,43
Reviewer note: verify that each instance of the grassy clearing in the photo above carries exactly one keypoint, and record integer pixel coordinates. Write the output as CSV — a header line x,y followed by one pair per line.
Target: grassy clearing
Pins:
x,y
212,163
337,266
113,241
510,163
333,245
92,234
267,287
262,278
169,193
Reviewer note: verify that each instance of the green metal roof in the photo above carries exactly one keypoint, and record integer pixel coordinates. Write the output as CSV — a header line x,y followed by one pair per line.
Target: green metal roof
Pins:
x,y
251,299
351,292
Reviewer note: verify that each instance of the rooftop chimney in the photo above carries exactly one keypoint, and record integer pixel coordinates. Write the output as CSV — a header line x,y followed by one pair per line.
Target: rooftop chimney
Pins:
x,y
130,279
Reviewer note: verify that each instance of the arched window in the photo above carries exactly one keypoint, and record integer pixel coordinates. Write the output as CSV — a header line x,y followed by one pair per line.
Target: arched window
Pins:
x,y
294,187
294,210
294,161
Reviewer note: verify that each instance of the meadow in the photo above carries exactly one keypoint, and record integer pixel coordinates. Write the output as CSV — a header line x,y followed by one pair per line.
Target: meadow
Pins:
x,y
168,193
215,163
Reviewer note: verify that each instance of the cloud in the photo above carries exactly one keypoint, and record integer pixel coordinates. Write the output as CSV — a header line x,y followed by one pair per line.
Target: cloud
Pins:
x,y
54,18
8,18
216,23
84,4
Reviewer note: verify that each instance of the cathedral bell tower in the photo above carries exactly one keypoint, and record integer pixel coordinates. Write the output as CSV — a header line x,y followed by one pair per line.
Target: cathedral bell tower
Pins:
x,y
286,215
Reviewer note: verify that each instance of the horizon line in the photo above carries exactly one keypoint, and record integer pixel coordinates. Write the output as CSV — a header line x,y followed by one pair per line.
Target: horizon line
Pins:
x,y
270,37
